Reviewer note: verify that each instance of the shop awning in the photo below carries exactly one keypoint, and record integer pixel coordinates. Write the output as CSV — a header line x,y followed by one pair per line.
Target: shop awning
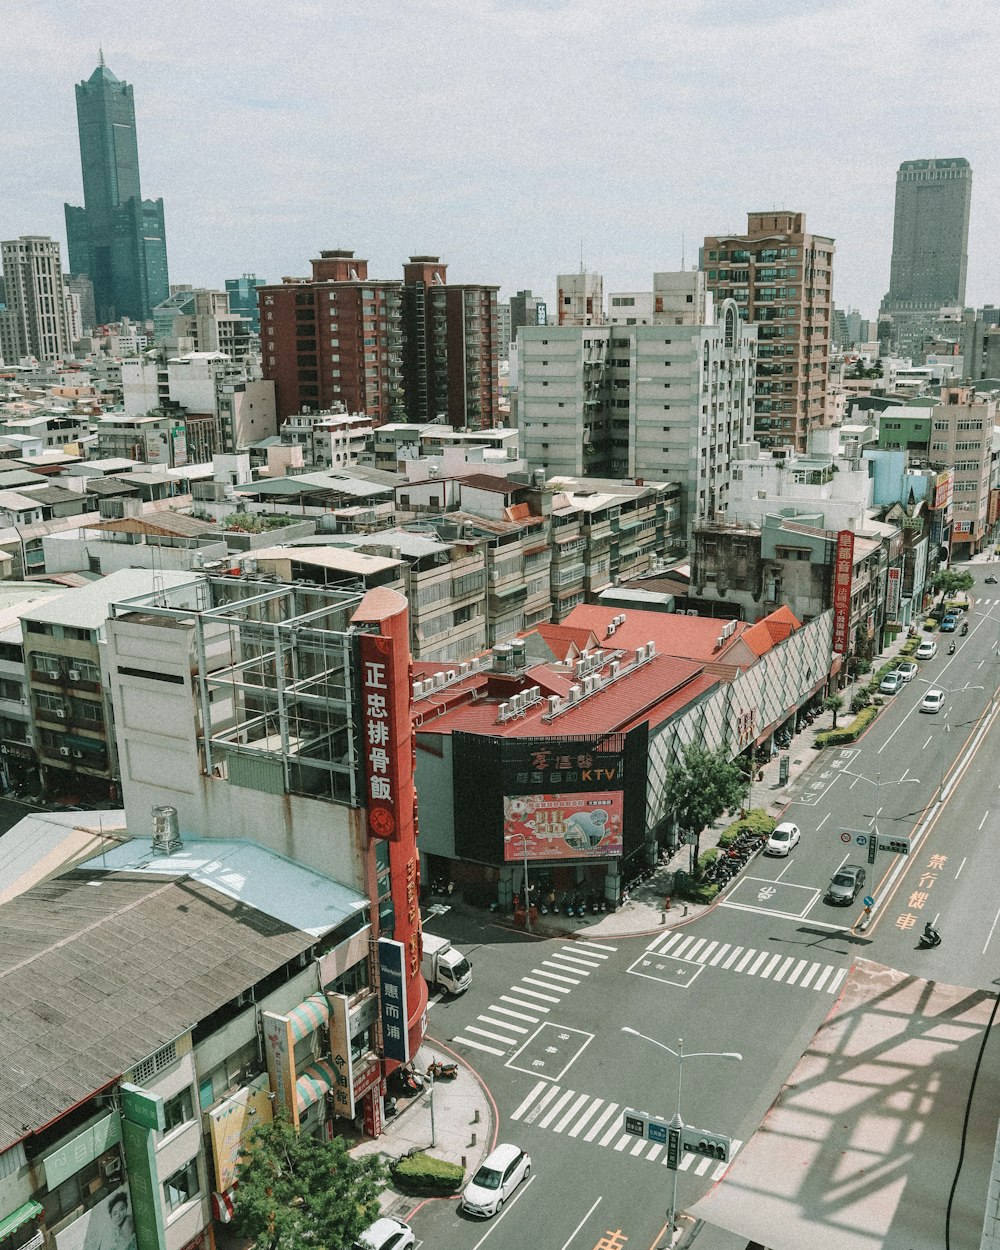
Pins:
x,y
11,1223
224,1204
313,1082
308,1016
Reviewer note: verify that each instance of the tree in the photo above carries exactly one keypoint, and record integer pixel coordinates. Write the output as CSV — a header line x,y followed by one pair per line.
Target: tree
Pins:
x,y
296,1190
948,582
700,787
833,703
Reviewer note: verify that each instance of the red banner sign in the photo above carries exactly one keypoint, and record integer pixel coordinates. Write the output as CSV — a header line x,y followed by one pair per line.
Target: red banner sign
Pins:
x,y
892,594
562,826
381,782
842,574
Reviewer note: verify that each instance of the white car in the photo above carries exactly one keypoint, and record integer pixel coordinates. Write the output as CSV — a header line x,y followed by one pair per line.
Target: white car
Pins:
x,y
927,649
501,1173
933,701
907,670
783,839
386,1234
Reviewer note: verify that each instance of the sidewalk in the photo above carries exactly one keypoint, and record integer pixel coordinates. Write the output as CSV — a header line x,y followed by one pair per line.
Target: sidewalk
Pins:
x,y
457,1116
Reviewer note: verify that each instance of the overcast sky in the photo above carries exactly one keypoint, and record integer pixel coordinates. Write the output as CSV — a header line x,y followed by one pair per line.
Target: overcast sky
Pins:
x,y
506,135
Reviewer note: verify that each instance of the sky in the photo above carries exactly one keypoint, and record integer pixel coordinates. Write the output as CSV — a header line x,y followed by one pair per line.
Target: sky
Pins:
x,y
511,137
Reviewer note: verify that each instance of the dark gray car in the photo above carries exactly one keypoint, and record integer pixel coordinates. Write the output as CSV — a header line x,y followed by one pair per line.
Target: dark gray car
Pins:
x,y
847,884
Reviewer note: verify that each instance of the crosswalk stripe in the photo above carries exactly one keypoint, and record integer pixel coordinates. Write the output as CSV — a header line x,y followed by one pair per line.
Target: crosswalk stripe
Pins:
x,y
598,946
834,984
822,979
506,998
605,1115
613,1131
639,1147
664,942
549,998
752,970
703,957
733,957
771,964
703,1167
746,959
496,1037
558,977
678,951
529,1100
693,952
721,954
626,1138
517,1015
558,1128
593,955
561,962
502,1024
556,1107
804,983
657,1147
789,960
587,1116
490,1050
544,1101
796,972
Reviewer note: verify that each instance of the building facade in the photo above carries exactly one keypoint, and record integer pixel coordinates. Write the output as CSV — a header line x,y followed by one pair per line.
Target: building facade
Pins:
x,y
580,299
34,323
117,238
242,293
780,277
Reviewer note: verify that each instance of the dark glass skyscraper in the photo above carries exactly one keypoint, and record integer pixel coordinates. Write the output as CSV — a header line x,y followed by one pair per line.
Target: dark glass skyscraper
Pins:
x,y
117,238
930,234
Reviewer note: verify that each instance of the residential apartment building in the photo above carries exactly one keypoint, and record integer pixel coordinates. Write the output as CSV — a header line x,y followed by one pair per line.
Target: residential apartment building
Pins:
x,y
962,432
580,299
328,438
451,347
677,298
213,327
781,278
526,310
659,402
34,322
334,338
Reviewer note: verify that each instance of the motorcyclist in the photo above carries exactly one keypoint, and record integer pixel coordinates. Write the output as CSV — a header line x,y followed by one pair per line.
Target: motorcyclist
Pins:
x,y
931,935
965,627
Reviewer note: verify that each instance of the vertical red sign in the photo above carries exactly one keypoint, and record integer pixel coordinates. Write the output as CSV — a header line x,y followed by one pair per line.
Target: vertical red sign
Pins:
x,y
842,573
381,781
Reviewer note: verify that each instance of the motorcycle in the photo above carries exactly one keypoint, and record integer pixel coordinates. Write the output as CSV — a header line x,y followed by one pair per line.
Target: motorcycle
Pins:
x,y
442,1071
951,649
406,1081
965,628
929,938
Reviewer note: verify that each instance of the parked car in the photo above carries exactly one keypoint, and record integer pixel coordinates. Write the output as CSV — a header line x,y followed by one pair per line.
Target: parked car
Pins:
x,y
933,701
907,670
891,683
782,840
927,649
948,625
386,1234
500,1174
847,884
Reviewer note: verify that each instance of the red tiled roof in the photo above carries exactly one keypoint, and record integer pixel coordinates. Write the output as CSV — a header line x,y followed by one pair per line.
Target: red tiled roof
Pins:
x,y
672,633
486,481
559,638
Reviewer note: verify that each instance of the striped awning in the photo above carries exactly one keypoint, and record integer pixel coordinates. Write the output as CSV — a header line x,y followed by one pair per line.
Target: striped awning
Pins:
x,y
308,1016
313,1082
27,1211
224,1204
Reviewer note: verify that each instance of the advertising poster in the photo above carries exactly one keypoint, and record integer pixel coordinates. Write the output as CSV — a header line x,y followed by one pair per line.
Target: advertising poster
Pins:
x,y
562,826
107,1226
842,578
381,780
231,1126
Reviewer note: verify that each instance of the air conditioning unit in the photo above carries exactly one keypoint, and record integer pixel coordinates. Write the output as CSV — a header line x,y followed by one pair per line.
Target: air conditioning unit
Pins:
x,y
74,674
614,667
555,703
64,751
78,755
61,713
52,676
111,1168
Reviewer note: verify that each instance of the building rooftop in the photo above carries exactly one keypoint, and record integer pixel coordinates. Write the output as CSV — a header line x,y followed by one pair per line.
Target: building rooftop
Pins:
x,y
87,607
336,558
163,524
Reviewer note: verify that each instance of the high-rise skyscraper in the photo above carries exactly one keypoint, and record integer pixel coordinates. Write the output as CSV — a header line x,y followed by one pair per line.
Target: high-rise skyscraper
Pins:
x,y
34,322
117,238
930,245
780,277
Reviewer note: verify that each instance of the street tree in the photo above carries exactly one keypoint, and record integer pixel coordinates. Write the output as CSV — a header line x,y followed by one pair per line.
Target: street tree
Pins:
x,y
700,786
949,582
833,703
297,1190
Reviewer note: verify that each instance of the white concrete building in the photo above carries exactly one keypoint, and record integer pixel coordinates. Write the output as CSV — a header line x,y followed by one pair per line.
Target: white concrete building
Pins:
x,y
580,301
34,323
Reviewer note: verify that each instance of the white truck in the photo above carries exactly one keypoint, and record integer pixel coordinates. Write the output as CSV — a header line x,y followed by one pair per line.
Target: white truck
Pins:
x,y
444,966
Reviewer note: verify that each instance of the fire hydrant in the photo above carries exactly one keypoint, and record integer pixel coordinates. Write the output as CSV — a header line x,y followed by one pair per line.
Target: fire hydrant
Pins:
x,y
666,903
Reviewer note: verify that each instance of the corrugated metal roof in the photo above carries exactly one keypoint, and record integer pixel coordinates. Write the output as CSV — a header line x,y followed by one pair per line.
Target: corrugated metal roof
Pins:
x,y
163,523
45,844
98,971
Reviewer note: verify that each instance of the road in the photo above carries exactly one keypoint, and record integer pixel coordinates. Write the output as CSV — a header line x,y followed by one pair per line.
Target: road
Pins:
x,y
542,1022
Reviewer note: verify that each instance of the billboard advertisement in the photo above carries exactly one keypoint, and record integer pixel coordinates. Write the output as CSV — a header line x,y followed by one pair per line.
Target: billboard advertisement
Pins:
x,y
231,1126
106,1226
381,780
563,826
842,574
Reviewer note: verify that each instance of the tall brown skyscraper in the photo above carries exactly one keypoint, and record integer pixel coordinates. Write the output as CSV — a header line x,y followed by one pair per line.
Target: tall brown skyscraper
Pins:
x,y
782,279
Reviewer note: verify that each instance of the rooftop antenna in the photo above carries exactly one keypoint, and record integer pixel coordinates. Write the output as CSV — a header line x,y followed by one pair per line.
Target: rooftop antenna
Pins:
x,y
100,55
683,254
582,270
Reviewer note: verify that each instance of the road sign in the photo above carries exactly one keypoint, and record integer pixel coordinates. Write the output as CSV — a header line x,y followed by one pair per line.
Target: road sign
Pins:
x,y
872,849
700,1142
869,901
673,1148
635,1124
641,1124
898,845
845,837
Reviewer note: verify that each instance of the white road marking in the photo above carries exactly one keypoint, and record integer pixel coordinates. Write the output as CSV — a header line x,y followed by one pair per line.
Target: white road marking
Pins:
x,y
797,972
613,1131
548,998
765,972
746,959
789,960
573,959
809,976
823,821
556,1107
599,946
558,1128
587,1116
732,957
752,971
502,1024
581,1224
496,1037
605,1115
557,976
528,1101
517,1015
490,1050
506,998
989,936
983,821
506,1211
961,866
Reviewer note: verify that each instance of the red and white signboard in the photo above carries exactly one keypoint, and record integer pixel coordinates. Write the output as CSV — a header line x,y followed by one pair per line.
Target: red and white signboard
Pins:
x,y
381,782
563,826
842,573
892,593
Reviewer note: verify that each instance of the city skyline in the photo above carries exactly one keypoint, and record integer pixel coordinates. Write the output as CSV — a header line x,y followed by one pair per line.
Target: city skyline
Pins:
x,y
499,136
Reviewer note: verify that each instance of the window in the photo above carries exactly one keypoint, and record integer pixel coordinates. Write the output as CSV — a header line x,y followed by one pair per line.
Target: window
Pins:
x,y
178,1110
182,1186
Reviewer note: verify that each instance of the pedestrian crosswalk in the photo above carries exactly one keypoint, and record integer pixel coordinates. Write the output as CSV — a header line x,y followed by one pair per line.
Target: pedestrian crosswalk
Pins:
x,y
527,1004
599,1122
806,974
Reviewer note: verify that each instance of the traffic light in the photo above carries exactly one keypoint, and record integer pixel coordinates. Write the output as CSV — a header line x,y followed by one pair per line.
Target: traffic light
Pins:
x,y
711,1145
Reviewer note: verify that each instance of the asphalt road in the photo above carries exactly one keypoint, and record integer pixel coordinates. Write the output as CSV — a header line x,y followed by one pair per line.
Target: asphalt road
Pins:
x,y
542,1021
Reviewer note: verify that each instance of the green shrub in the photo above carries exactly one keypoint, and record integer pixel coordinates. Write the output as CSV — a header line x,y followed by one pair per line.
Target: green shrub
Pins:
x,y
423,1174
848,733
859,701
693,890
757,820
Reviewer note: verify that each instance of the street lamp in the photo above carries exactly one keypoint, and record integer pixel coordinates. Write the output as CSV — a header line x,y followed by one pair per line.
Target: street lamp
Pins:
x,y
527,897
677,1122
